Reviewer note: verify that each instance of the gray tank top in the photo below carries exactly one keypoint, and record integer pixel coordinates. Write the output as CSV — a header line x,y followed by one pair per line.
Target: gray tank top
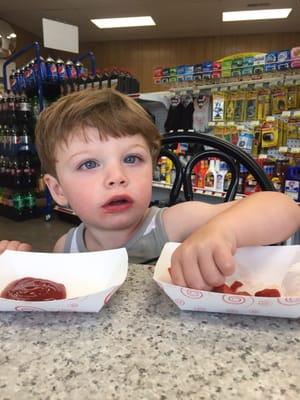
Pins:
x,y
146,244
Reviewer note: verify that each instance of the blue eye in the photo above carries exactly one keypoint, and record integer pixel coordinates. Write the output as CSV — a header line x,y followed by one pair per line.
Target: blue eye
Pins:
x,y
131,159
90,164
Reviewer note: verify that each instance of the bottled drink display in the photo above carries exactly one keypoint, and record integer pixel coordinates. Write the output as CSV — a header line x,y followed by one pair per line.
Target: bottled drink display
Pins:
x,y
18,163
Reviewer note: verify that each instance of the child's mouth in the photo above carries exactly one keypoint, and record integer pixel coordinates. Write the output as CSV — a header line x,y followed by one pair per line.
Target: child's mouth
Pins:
x,y
117,204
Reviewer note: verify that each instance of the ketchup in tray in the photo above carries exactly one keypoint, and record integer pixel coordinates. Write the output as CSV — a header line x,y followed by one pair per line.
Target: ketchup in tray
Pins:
x,y
34,289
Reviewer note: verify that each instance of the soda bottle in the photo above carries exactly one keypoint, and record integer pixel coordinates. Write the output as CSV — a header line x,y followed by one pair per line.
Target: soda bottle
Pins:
x,y
61,69
21,79
30,203
89,81
18,204
43,69
61,76
71,76
105,78
113,78
97,84
79,69
71,70
13,82
35,107
29,75
51,70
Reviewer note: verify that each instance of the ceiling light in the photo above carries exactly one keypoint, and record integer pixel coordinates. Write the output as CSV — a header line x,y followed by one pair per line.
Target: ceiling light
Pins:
x,y
252,15
123,22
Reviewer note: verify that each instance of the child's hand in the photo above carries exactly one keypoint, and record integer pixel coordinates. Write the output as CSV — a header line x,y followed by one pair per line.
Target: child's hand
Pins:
x,y
204,259
14,245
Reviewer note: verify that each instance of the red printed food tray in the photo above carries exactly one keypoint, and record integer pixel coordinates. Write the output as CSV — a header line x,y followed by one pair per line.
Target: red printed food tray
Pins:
x,y
90,278
257,268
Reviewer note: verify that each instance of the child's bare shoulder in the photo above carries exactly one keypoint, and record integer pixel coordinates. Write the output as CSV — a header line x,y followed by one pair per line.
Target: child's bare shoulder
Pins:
x,y
60,244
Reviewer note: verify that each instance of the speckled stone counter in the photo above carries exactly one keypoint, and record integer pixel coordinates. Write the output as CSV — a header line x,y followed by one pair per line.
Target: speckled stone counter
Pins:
x,y
141,346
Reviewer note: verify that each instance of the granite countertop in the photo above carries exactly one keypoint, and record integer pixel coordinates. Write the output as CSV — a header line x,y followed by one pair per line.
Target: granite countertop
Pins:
x,y
141,346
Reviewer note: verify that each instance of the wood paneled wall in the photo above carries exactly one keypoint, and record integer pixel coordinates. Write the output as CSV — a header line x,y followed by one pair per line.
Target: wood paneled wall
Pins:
x,y
142,56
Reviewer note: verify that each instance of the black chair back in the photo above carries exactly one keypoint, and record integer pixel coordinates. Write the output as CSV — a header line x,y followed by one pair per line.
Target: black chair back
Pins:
x,y
211,147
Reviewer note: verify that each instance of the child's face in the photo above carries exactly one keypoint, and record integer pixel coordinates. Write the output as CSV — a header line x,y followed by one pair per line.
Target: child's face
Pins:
x,y
107,183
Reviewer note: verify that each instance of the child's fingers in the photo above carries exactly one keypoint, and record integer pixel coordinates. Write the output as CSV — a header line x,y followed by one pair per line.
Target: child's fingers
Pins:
x,y
210,272
224,261
14,245
176,274
3,245
185,270
24,247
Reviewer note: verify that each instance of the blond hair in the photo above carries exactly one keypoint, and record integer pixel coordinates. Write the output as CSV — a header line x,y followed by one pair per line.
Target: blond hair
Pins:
x,y
111,112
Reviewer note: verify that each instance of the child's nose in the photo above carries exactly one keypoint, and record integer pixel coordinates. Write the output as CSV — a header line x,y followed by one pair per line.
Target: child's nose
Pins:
x,y
116,182
116,177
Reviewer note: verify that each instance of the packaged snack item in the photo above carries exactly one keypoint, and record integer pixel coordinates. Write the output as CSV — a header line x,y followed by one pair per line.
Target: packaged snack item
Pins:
x,y
271,61
216,70
258,64
237,65
279,100
263,104
295,57
218,107
283,60
180,71
251,106
226,68
229,107
239,106
207,68
198,72
188,73
247,68
270,133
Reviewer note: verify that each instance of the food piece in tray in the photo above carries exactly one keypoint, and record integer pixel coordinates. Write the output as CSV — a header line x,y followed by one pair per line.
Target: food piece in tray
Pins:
x,y
232,289
237,284
268,293
34,289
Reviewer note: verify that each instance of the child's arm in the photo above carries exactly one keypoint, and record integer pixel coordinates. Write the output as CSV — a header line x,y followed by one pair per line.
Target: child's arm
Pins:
x,y
14,245
211,234
60,244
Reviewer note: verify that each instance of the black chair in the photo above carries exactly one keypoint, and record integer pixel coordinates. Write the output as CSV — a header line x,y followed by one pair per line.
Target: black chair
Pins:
x,y
209,146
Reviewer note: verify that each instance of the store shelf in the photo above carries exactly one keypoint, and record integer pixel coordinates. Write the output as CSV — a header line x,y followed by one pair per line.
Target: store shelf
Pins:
x,y
199,191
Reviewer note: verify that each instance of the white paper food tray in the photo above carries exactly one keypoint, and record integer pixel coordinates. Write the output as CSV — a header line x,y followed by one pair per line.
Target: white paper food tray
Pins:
x,y
258,268
90,278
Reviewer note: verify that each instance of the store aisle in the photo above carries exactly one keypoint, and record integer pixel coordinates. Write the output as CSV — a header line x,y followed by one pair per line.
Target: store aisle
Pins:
x,y
40,234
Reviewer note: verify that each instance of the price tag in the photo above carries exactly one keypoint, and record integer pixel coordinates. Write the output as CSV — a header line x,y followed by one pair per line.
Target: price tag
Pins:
x,y
258,85
295,150
283,149
254,123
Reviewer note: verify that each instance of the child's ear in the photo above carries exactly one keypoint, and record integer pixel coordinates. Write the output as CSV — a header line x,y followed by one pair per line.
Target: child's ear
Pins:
x,y
55,190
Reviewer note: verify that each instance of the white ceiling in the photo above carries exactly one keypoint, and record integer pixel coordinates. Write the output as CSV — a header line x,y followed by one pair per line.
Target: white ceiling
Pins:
x,y
174,18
